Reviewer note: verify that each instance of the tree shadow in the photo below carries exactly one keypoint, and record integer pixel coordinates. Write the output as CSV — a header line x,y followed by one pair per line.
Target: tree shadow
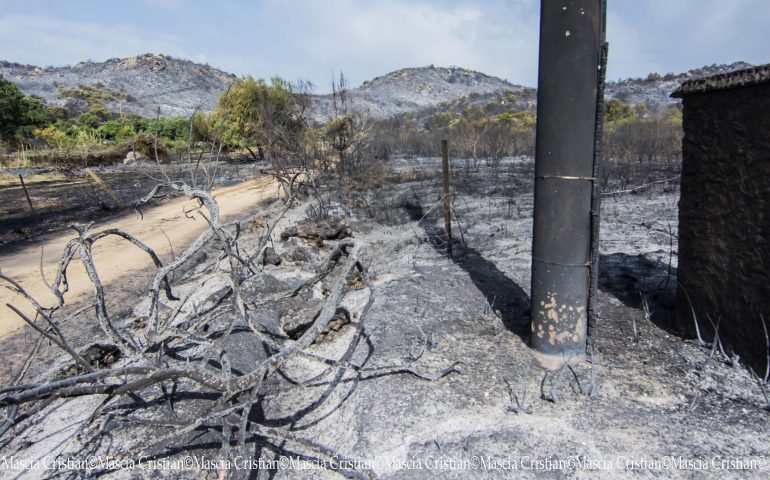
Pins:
x,y
633,279
502,294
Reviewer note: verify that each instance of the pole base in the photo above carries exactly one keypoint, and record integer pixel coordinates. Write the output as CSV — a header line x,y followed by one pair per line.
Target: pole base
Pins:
x,y
553,362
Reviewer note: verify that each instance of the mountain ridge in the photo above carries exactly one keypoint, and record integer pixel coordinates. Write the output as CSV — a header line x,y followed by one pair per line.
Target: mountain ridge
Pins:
x,y
415,88
142,83
145,82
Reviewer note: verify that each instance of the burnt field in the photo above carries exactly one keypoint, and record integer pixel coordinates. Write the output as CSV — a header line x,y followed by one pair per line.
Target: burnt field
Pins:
x,y
354,341
62,195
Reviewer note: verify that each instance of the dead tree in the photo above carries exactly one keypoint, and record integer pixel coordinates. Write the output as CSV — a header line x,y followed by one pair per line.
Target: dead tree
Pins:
x,y
172,346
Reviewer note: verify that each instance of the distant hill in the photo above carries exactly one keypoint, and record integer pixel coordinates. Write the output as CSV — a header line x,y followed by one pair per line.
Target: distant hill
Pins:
x,y
138,84
414,89
655,90
421,92
143,83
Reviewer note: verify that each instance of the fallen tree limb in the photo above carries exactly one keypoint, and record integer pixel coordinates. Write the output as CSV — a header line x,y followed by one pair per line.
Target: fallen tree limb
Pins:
x,y
204,365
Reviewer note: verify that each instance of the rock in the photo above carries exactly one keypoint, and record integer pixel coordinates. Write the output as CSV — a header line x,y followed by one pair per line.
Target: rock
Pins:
x,y
299,254
295,321
318,231
270,257
134,157
296,251
107,205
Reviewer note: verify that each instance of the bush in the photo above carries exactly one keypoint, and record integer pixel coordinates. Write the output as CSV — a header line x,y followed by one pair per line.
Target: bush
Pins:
x,y
144,143
124,134
53,137
109,129
370,175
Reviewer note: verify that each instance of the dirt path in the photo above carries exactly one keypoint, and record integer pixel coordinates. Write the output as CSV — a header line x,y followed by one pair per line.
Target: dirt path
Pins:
x,y
162,227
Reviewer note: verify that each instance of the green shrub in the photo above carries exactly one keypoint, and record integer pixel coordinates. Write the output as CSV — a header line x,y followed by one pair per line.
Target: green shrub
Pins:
x,y
144,143
109,129
53,137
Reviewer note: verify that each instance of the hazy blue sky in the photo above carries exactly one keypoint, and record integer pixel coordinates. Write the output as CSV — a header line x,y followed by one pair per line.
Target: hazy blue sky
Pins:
x,y
310,39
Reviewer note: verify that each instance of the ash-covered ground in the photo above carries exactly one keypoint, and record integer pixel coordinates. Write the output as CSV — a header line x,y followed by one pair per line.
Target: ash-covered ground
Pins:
x,y
62,195
440,383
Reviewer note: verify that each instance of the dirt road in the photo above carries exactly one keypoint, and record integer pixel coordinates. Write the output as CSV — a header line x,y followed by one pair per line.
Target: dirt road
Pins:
x,y
161,227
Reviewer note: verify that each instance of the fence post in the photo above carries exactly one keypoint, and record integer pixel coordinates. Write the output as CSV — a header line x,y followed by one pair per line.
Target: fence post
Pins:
x,y
447,200
24,187
105,186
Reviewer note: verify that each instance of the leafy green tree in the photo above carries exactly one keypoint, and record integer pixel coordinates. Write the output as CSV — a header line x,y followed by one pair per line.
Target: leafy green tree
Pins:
x,y
57,114
640,109
252,113
136,122
89,121
615,110
169,128
19,115
109,129
11,109
439,122
34,112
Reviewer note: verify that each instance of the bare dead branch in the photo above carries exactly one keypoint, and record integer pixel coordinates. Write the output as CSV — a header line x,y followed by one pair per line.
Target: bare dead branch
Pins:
x,y
57,339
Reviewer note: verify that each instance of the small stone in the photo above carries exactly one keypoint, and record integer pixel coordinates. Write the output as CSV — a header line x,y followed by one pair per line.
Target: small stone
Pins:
x,y
134,157
270,257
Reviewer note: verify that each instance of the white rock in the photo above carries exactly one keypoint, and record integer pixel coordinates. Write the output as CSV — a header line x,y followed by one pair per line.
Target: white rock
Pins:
x,y
132,157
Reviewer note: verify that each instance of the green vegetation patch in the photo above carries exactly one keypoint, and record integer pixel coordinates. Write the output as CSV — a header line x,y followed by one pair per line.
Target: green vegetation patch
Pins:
x,y
94,94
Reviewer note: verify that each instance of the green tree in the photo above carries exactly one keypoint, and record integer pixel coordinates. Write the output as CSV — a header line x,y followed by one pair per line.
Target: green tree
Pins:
x,y
252,113
109,129
640,109
11,109
35,113
615,110
19,115
89,120
653,77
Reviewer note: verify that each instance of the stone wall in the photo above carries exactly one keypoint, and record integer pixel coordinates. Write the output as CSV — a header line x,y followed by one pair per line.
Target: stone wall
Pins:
x,y
724,218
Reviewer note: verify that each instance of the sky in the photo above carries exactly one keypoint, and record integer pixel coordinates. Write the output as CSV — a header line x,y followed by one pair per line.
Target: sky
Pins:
x,y
316,39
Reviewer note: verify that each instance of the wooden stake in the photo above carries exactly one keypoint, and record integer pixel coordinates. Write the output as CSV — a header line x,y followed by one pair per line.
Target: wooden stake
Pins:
x,y
447,203
29,201
105,186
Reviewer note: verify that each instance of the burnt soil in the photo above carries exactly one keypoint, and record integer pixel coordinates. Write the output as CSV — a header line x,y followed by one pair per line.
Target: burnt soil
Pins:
x,y
648,403
62,195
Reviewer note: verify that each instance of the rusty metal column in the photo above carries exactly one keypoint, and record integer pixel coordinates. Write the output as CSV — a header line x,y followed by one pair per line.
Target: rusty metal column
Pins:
x,y
571,39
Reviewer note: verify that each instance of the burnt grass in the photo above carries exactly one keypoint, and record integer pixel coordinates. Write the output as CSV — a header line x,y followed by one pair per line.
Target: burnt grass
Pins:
x,y
645,395
63,195
656,393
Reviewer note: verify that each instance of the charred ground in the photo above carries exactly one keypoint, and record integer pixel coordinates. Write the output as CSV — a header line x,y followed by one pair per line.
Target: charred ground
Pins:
x,y
435,364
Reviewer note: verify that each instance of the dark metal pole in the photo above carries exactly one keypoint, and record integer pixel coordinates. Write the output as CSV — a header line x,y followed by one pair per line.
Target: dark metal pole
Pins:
x,y
447,200
571,40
